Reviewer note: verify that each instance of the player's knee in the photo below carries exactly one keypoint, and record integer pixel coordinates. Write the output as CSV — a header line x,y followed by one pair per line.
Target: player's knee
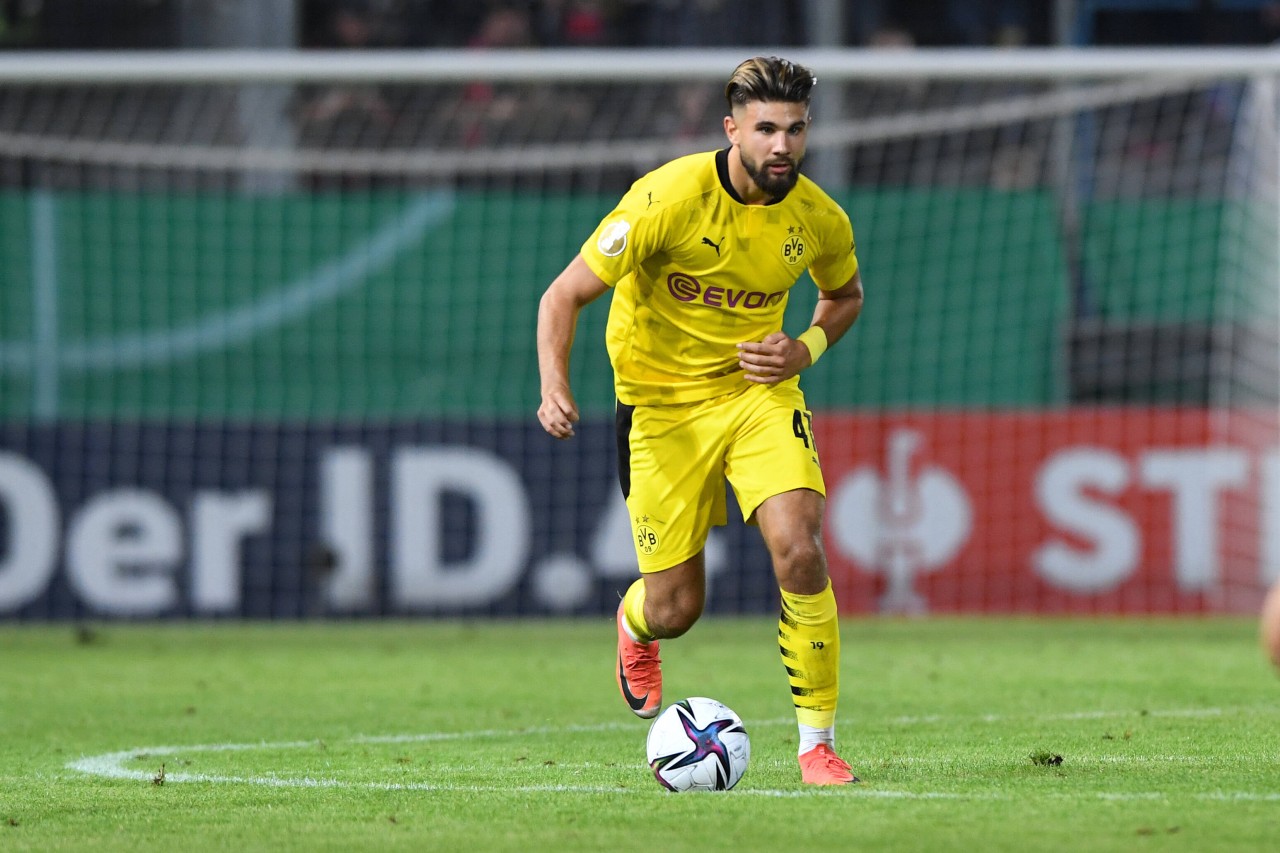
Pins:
x,y
801,565
674,614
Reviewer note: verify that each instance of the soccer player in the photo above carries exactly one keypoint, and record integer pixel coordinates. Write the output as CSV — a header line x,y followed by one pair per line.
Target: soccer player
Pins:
x,y
701,254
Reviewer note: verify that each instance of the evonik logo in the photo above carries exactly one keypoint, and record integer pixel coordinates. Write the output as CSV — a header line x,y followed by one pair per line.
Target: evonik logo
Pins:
x,y
686,288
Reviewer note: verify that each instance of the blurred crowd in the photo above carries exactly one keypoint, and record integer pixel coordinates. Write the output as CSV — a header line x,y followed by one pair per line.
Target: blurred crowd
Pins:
x,y
630,23
665,23
1195,125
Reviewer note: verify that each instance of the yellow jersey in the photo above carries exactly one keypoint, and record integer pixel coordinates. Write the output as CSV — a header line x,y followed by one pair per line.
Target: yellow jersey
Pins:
x,y
696,271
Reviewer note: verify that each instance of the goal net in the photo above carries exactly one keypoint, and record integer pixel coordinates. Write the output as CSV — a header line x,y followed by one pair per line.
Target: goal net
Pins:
x,y
267,330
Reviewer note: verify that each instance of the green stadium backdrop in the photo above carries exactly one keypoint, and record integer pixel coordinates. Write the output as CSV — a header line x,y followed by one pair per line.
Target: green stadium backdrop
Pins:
x,y
324,403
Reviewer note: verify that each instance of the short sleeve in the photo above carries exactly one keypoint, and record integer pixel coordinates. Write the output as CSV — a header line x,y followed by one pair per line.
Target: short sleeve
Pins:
x,y
838,261
623,239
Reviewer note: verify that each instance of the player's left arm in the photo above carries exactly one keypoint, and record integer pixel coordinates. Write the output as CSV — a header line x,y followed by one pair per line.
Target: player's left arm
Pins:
x,y
779,356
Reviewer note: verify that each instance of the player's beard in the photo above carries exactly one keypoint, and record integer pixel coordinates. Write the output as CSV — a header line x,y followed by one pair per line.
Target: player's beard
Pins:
x,y
774,186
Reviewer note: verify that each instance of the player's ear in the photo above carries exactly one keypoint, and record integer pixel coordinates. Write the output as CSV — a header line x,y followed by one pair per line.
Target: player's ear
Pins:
x,y
731,129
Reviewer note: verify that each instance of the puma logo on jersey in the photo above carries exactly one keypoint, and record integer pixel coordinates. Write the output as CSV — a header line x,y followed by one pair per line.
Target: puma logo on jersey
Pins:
x,y
716,246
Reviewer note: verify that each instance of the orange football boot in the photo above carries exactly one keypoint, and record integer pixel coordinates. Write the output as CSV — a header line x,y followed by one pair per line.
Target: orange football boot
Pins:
x,y
639,673
821,766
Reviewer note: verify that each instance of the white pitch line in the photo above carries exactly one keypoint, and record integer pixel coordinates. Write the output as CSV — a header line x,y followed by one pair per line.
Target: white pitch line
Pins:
x,y
111,765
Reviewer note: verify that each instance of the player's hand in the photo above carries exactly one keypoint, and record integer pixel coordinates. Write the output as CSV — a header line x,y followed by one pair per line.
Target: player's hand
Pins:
x,y
558,412
775,359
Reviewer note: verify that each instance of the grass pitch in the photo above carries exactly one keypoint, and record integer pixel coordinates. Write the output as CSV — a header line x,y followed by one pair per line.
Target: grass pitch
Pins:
x,y
969,734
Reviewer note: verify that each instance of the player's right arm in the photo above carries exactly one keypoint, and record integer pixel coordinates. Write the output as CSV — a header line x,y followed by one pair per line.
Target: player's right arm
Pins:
x,y
558,311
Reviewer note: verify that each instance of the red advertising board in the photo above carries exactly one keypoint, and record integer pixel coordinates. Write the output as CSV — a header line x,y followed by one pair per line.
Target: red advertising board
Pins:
x,y
1076,511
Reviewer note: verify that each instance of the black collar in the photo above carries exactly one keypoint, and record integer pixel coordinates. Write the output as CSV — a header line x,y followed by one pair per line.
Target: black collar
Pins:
x,y
722,171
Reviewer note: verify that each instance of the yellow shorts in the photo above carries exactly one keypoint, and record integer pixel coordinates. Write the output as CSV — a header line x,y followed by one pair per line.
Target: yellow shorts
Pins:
x,y
673,462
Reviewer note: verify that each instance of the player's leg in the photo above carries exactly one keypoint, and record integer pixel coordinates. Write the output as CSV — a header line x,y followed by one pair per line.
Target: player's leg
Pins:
x,y
773,466
666,474
664,604
659,605
808,627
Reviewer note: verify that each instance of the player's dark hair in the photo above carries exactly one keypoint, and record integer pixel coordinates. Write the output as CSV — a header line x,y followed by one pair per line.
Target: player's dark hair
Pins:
x,y
769,78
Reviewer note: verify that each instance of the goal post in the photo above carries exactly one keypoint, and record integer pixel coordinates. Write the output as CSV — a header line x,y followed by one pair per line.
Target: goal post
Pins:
x,y
267,350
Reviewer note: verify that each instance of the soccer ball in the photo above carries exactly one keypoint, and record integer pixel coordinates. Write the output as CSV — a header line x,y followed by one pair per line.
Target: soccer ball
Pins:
x,y
698,744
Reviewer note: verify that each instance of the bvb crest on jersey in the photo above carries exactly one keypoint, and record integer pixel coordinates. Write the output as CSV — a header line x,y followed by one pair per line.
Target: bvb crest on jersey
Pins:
x,y
793,249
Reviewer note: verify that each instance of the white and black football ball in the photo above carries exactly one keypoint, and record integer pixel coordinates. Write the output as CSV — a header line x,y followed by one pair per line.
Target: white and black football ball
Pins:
x,y
698,744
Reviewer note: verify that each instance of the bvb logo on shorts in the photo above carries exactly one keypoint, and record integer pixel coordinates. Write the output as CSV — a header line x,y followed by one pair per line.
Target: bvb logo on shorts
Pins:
x,y
793,249
646,539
